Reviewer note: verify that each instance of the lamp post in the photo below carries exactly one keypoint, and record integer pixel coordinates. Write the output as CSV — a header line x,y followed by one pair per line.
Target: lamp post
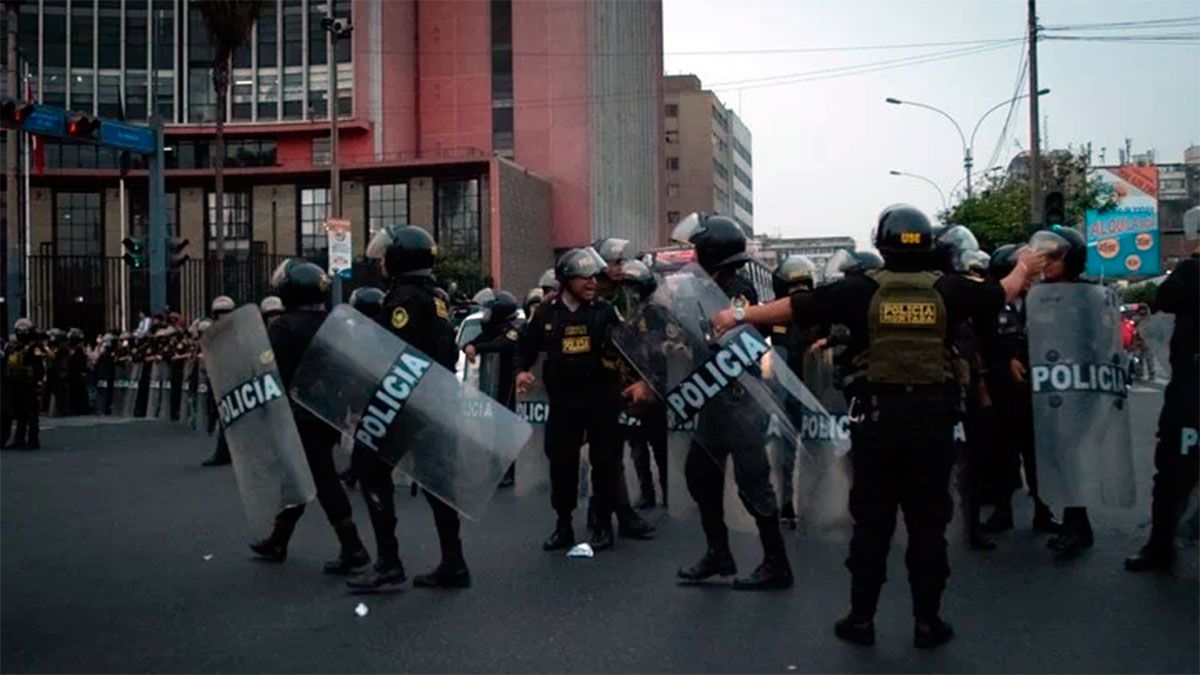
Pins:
x,y
967,146
945,204
338,29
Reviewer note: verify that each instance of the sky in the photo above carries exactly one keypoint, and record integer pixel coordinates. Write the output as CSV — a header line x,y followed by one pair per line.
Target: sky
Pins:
x,y
823,147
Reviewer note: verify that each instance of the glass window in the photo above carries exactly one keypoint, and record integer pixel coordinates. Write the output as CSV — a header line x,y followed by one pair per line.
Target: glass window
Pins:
x,y
317,54
268,95
137,35
237,221
743,202
202,104
672,217
673,190
673,163
386,205
54,34
742,152
343,49
135,95
82,86
322,155
318,89
458,217
241,90
241,56
166,96
108,93
77,229
139,214
672,110
293,32
27,32
54,87
345,90
82,40
742,176
672,137
164,39
109,32
720,169
314,209
293,95
268,37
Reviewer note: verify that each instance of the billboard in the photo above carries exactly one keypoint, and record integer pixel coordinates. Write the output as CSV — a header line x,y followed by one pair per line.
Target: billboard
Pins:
x,y
1123,239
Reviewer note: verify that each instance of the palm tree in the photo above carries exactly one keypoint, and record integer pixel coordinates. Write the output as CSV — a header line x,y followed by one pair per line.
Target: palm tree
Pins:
x,y
229,23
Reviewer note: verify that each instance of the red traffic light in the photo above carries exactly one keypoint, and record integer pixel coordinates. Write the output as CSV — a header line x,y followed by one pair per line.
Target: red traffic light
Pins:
x,y
15,112
82,126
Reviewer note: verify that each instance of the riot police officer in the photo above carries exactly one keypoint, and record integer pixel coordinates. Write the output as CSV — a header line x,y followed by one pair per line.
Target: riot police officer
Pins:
x,y
585,400
500,331
221,305
900,320
649,437
302,288
77,372
1177,455
271,308
368,300
414,312
23,371
720,248
1007,357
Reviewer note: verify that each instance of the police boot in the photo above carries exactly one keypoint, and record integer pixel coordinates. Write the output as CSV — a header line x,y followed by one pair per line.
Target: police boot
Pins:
x,y
451,572
1001,520
1076,534
774,572
601,537
274,547
31,441
645,499
632,526
510,477
353,555
1151,558
787,515
855,630
717,562
563,536
1043,519
930,633
387,576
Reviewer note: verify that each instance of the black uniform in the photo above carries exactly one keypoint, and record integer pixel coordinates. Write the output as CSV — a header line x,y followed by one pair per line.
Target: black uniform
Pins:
x,y
413,312
903,445
77,372
23,372
582,381
1177,455
501,338
290,336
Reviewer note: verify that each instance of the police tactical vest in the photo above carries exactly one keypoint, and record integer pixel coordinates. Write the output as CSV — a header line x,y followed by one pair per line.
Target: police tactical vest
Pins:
x,y
907,331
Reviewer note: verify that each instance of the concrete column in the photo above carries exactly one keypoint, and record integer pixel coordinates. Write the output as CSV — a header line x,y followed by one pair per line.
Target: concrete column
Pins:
x,y
354,209
112,223
420,202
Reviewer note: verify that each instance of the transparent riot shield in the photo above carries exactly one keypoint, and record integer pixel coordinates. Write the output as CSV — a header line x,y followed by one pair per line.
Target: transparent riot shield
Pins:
x,y
533,467
1156,331
141,386
126,388
824,473
1078,373
102,404
399,403
187,394
268,459
158,400
731,385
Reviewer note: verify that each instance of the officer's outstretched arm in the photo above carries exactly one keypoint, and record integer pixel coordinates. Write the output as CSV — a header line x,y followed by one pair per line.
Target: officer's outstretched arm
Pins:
x,y
776,313
1029,265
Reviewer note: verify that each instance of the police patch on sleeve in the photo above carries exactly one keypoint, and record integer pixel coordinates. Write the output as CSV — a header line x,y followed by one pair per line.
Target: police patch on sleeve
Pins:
x,y
439,306
400,318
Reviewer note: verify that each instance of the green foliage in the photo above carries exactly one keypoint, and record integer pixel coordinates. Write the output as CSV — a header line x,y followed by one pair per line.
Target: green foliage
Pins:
x,y
229,23
466,273
999,213
1138,293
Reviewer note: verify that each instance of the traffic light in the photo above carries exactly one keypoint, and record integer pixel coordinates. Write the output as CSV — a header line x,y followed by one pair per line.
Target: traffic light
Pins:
x,y
14,113
1054,210
82,127
178,257
135,252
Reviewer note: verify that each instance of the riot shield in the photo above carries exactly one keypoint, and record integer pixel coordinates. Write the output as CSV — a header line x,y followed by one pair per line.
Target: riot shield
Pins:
x,y
158,400
1078,373
533,467
187,394
141,389
102,404
125,387
823,474
1156,331
399,403
268,459
731,385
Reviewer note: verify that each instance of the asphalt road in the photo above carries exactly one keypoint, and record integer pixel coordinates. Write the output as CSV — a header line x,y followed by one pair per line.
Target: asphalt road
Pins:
x,y
119,553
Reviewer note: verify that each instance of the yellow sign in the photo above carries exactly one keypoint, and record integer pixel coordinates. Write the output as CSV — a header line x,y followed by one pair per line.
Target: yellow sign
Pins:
x,y
577,345
439,306
910,237
575,330
399,318
908,313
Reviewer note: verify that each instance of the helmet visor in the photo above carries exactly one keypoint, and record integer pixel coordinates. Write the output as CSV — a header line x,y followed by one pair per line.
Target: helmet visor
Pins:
x,y
838,263
612,249
1049,244
686,229
378,246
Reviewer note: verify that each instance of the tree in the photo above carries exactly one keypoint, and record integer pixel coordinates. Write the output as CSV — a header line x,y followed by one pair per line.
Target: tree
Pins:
x,y
229,23
999,213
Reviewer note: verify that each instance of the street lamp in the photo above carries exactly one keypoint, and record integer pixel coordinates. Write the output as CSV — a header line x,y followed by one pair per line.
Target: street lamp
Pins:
x,y
967,146
337,29
945,204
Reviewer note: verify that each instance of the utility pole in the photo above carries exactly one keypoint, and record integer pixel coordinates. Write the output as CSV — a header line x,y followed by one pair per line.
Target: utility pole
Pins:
x,y
12,210
157,246
335,29
1035,142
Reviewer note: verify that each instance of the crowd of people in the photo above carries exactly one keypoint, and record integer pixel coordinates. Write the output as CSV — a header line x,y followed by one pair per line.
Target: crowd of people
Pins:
x,y
928,346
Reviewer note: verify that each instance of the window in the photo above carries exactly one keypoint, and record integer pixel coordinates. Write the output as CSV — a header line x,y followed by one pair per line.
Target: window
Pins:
x,y
673,163
109,94
502,77
139,214
237,221
293,32
741,175
458,217
314,209
77,224
317,54
673,190
293,95
54,87
672,137
109,31
719,117
672,110
672,217
241,91
27,31
268,95
743,202
202,104
164,38
135,96
720,197
136,36
742,152
82,41
268,37
82,86
720,169
386,205
318,89
54,35
322,155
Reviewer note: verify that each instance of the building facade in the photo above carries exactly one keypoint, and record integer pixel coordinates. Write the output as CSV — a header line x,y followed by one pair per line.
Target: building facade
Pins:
x,y
1178,191
707,155
771,251
444,106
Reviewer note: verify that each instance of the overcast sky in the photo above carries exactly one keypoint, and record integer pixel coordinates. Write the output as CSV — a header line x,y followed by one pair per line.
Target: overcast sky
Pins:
x,y
823,148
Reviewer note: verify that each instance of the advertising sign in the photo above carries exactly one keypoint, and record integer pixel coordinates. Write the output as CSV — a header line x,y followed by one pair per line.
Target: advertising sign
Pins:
x,y
341,251
1123,240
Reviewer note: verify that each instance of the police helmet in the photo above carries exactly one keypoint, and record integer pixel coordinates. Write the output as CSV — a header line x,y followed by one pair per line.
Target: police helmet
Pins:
x,y
794,270
298,282
367,299
548,282
535,296
955,245
976,262
579,262
203,325
611,249
222,304
404,250
904,232
635,273
1065,244
1003,262
75,335
851,263
483,297
56,335
502,307
271,306
719,241
23,327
